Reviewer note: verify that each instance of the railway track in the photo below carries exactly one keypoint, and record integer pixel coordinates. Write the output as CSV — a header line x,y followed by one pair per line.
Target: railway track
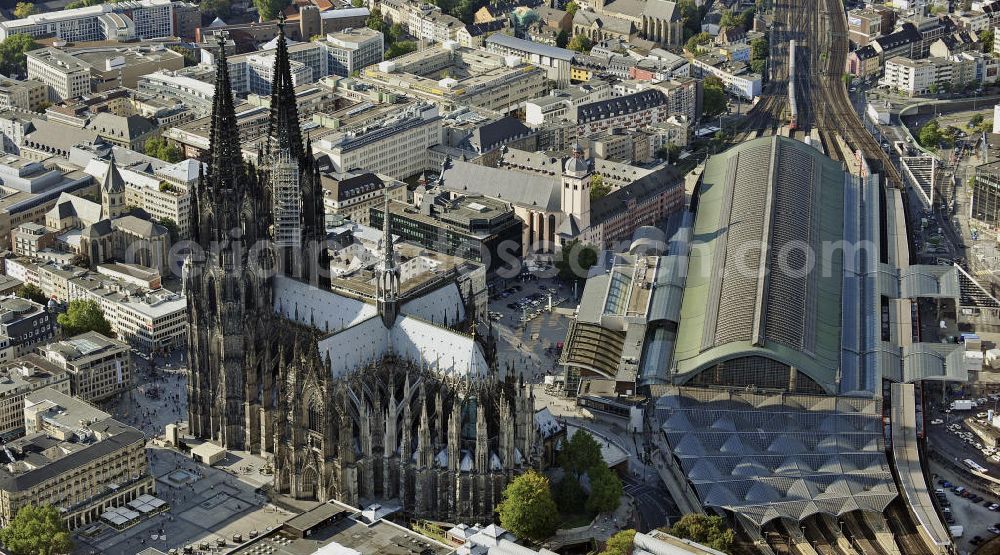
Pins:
x,y
835,113
819,537
903,530
863,536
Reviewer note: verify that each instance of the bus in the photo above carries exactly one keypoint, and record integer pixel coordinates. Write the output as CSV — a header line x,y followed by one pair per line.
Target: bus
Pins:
x,y
974,466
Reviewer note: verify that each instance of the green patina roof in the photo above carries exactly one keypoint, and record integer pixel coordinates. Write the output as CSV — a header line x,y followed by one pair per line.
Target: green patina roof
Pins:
x,y
751,181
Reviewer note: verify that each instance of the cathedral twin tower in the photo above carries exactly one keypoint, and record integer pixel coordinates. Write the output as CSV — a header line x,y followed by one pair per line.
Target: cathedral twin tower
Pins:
x,y
235,209
389,407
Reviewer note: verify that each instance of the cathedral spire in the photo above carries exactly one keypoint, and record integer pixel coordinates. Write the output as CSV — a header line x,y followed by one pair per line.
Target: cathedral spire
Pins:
x,y
387,287
226,162
283,132
388,252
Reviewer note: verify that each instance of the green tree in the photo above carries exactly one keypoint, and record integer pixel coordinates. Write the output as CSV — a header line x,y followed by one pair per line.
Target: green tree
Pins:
x,y
572,7
598,188
37,530
33,292
12,53
375,20
699,39
620,543
562,39
986,40
358,3
158,147
190,57
527,508
575,260
269,9
605,489
580,43
396,33
729,19
758,66
81,4
215,8
569,494
80,260
759,49
84,315
930,134
713,100
171,228
400,48
580,453
975,121
24,9
691,15
710,531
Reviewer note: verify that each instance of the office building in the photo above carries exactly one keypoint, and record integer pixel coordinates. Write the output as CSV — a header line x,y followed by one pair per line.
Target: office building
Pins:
x,y
473,227
352,50
399,147
65,75
19,377
114,21
477,78
23,95
98,366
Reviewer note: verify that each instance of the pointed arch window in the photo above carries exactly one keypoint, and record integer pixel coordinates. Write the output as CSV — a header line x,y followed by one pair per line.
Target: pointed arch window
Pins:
x,y
314,417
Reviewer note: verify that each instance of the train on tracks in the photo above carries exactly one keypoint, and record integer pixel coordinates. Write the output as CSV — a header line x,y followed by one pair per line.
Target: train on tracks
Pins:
x,y
793,108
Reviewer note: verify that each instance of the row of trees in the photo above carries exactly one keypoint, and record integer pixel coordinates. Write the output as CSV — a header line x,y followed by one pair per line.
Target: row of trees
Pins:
x,y
710,531
531,511
760,49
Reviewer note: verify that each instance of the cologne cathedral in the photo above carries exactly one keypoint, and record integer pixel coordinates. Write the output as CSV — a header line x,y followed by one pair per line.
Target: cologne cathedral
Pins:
x,y
356,398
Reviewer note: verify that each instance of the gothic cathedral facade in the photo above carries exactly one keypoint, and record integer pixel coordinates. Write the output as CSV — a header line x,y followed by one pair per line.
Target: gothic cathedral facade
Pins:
x,y
442,445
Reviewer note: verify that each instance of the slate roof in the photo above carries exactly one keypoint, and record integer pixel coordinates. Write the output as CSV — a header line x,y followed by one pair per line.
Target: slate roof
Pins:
x,y
538,192
125,127
479,29
907,34
138,226
353,186
126,436
645,187
494,133
628,104
606,22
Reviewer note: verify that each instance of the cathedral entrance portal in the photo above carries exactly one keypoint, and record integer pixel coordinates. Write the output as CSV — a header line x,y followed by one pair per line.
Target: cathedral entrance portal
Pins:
x,y
309,480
